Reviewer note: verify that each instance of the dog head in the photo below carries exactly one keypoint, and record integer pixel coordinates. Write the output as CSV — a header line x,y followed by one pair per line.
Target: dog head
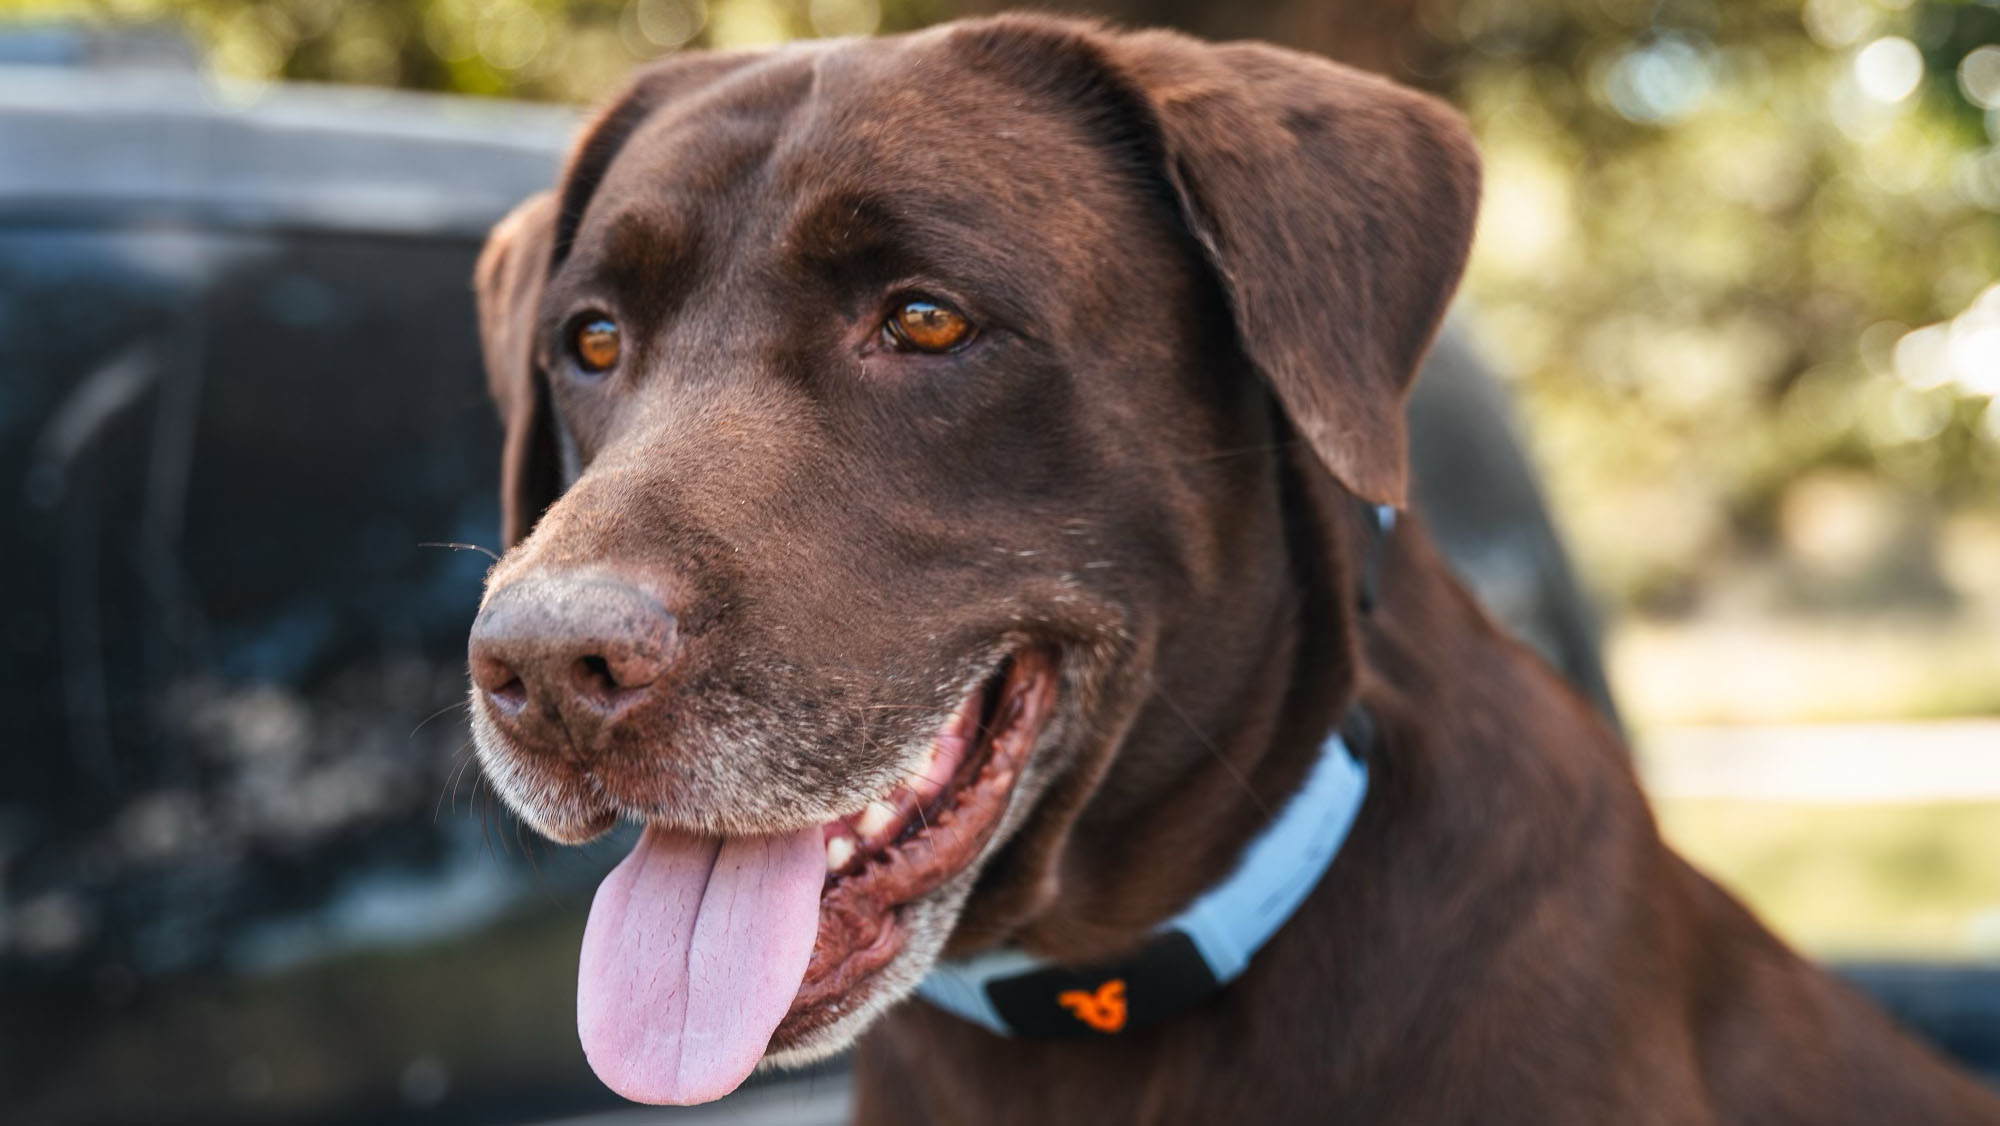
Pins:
x,y
912,446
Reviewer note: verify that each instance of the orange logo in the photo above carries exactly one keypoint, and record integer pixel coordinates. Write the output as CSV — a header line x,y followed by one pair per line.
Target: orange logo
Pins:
x,y
1103,1010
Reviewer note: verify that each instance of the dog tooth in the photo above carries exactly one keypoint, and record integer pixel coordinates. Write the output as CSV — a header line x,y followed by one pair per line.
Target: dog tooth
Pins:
x,y
878,817
930,779
839,850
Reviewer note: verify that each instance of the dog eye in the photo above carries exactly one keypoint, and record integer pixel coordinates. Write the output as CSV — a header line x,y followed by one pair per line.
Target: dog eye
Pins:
x,y
594,343
928,327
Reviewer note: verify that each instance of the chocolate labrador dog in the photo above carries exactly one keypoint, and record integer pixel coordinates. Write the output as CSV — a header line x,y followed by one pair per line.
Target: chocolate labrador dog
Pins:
x,y
949,480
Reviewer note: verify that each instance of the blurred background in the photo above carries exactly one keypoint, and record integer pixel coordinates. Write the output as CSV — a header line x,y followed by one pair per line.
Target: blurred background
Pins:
x,y
1734,303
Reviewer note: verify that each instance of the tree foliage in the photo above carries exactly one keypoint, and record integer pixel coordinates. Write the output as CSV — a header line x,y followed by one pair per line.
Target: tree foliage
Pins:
x,y
1737,255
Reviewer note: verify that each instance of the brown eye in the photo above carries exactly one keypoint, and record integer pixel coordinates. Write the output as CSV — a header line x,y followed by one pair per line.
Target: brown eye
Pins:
x,y
596,345
928,326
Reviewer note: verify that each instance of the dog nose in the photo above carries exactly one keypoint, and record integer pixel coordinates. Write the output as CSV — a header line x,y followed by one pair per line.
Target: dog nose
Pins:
x,y
578,649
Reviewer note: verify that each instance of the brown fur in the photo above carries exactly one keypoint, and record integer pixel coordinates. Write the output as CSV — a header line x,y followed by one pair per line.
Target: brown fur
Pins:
x,y
1204,276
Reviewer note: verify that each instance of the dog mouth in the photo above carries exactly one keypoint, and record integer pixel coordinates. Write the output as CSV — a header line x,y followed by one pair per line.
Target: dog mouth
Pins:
x,y
705,954
913,839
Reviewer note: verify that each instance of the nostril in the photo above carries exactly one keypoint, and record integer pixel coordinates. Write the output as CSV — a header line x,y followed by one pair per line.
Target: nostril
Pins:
x,y
595,673
501,684
489,672
510,697
610,679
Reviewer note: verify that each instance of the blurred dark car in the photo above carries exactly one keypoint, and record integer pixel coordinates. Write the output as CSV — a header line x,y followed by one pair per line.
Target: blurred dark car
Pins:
x,y
247,870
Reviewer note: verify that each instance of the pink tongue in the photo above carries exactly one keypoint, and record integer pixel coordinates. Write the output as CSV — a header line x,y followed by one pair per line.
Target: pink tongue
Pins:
x,y
693,953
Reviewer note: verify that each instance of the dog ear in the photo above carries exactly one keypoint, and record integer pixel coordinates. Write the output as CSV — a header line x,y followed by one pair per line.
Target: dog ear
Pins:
x,y
1337,209
523,250
508,285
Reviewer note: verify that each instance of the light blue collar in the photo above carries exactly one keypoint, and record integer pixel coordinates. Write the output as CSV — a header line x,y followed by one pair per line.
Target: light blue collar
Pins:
x,y
1191,955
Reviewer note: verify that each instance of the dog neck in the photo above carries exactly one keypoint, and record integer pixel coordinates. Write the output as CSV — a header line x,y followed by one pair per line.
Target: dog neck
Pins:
x,y
1208,944
1469,725
1197,952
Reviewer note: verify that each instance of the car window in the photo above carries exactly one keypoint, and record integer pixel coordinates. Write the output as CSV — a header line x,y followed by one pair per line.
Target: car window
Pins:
x,y
243,856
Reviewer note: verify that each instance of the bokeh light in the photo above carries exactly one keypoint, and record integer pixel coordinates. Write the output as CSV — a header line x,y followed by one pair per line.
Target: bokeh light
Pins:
x,y
1979,77
845,17
669,23
1889,68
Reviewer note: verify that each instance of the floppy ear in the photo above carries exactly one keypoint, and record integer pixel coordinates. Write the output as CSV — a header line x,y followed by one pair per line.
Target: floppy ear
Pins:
x,y
1337,208
521,252
508,284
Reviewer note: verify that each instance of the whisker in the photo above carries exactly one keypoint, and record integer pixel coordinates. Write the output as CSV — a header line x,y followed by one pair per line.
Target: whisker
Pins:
x,y
921,776
483,794
450,785
469,770
437,713
534,865
1242,451
486,551
1213,750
